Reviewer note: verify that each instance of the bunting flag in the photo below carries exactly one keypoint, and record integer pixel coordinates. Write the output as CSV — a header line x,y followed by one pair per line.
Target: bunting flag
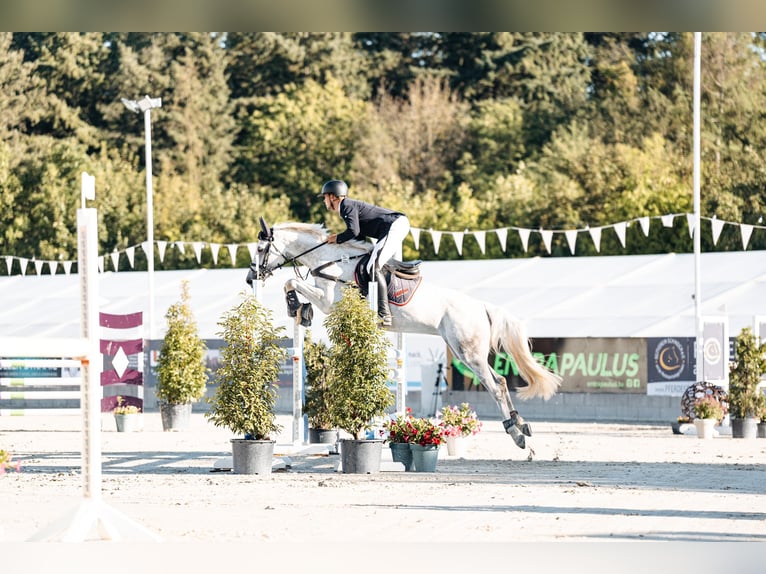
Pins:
x,y
690,219
415,236
457,236
437,237
197,245
524,235
644,221
619,228
232,247
214,249
571,235
595,234
746,231
717,225
502,236
147,249
547,236
161,246
481,239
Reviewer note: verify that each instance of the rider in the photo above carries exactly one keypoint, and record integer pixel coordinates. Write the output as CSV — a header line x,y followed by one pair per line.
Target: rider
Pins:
x,y
364,220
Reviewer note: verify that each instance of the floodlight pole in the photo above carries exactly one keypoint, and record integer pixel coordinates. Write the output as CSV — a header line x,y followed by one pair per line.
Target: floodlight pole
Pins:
x,y
145,105
699,343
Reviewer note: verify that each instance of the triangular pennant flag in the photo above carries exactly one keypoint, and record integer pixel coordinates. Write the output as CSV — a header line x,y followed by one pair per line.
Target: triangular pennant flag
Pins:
x,y
644,221
214,249
595,234
619,229
481,239
23,262
547,236
116,260
181,247
502,236
232,247
131,253
67,267
8,263
436,236
415,236
524,235
53,266
38,266
667,220
690,222
717,225
162,245
571,235
148,250
747,230
198,245
252,248
101,264
458,237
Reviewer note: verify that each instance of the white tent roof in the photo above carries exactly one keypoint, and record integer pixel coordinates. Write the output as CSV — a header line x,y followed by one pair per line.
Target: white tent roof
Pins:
x,y
608,296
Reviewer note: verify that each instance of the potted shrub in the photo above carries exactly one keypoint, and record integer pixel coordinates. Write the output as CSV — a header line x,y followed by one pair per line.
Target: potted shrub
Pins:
x,y
181,371
246,392
315,404
744,377
358,374
127,417
708,412
399,431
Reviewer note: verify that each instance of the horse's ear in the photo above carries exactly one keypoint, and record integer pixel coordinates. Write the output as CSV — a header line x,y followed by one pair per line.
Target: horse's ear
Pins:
x,y
265,228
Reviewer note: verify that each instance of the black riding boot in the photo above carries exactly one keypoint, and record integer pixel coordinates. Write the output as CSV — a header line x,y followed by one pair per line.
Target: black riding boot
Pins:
x,y
384,311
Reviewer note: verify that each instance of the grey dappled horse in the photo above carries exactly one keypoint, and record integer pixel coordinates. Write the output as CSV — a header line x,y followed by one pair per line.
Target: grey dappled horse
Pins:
x,y
469,326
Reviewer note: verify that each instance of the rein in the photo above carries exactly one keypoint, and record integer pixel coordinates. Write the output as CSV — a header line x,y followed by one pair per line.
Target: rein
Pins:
x,y
317,272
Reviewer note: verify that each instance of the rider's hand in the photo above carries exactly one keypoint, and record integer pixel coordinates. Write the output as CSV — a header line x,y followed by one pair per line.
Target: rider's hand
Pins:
x,y
332,238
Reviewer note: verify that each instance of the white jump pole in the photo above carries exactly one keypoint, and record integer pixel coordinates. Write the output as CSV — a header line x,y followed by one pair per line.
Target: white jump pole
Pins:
x,y
91,513
298,418
400,370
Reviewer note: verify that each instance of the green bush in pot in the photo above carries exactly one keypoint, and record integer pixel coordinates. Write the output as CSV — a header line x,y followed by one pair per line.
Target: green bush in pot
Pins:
x,y
248,371
358,365
316,406
745,375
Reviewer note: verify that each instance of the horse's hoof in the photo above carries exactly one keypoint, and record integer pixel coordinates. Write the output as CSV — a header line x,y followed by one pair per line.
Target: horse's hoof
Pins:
x,y
512,430
307,314
526,429
293,305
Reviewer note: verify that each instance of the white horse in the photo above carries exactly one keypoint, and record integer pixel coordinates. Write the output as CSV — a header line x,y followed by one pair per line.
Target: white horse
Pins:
x,y
469,326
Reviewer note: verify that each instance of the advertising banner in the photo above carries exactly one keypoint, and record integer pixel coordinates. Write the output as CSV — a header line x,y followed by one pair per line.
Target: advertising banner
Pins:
x,y
671,365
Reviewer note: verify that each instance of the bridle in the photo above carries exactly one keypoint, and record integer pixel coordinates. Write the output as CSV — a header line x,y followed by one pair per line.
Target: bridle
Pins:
x,y
267,235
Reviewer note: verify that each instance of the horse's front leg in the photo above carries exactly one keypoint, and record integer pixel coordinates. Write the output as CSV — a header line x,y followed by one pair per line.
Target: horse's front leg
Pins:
x,y
322,297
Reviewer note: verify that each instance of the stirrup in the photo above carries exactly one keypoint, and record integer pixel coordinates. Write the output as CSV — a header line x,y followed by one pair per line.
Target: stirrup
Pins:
x,y
384,320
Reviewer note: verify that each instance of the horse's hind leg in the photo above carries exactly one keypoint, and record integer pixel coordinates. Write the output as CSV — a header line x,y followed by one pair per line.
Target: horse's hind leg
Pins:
x,y
514,419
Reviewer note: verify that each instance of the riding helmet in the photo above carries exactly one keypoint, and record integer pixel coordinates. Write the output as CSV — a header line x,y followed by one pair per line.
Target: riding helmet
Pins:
x,y
334,187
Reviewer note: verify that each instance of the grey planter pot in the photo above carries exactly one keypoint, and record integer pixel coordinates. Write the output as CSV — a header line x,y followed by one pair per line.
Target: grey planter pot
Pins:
x,y
360,456
744,428
252,456
761,430
175,417
323,436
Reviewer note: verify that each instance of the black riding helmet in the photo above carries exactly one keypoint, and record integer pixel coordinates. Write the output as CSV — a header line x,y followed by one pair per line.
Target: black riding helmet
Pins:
x,y
334,187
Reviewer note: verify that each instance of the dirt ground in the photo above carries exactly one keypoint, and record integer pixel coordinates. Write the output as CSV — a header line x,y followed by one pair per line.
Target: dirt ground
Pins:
x,y
574,483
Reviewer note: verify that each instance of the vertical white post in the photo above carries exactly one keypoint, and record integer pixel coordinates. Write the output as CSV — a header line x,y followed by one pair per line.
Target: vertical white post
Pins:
x,y
149,233
87,268
699,349
401,355
298,426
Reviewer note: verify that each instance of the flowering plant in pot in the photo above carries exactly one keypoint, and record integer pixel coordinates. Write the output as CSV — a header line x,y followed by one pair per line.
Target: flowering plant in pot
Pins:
x,y
246,392
426,432
459,420
181,371
399,428
709,408
127,417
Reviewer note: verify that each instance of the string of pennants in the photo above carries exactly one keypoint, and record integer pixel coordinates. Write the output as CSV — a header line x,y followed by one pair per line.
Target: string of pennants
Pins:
x,y
458,237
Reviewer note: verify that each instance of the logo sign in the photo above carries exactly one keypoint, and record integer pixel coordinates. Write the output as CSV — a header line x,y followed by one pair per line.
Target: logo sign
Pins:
x,y
670,359
714,351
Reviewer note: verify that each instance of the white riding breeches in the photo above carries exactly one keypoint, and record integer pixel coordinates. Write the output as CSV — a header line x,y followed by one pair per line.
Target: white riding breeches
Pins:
x,y
384,249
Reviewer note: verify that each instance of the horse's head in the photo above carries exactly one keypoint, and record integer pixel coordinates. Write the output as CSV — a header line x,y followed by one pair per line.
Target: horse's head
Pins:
x,y
265,260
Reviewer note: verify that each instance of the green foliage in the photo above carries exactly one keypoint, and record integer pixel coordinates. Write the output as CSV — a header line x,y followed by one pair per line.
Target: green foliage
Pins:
x,y
745,400
181,371
708,408
316,403
248,371
358,365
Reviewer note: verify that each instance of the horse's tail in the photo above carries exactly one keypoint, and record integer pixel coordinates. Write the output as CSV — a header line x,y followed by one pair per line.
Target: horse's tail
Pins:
x,y
509,334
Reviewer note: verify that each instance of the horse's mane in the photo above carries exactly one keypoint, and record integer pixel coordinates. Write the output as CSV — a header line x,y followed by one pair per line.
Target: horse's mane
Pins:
x,y
318,232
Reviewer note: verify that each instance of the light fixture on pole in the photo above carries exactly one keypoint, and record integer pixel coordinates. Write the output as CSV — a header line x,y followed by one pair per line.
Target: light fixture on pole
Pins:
x,y
145,105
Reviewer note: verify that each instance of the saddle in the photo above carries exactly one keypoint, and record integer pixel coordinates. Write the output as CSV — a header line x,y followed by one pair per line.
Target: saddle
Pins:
x,y
403,279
